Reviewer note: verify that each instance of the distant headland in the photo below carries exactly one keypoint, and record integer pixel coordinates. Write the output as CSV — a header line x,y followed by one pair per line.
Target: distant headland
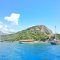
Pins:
x,y
35,33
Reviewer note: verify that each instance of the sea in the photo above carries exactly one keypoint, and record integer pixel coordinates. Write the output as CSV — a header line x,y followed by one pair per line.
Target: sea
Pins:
x,y
29,51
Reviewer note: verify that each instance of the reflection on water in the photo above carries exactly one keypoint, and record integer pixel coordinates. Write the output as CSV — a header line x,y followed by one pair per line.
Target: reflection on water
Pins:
x,y
16,51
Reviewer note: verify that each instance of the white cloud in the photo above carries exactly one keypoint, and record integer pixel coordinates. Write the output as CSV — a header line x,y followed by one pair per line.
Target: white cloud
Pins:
x,y
5,29
1,25
14,17
1,22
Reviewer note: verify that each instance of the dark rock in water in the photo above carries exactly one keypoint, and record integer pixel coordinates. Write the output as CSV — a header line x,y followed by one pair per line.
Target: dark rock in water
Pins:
x,y
20,42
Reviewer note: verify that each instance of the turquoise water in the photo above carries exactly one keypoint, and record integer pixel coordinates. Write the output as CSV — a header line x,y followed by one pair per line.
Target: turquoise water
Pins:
x,y
17,51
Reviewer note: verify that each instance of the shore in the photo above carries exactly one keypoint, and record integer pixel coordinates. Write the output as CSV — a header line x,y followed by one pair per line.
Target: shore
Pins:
x,y
27,41
22,41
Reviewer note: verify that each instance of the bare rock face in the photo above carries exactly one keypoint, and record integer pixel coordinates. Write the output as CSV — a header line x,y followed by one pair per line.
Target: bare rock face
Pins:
x,y
41,28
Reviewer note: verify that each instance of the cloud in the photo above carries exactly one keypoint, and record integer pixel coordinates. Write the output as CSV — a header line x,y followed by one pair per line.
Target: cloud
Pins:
x,y
1,22
5,29
14,17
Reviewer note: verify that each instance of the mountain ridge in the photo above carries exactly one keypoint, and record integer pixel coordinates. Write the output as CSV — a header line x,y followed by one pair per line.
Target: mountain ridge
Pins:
x,y
2,33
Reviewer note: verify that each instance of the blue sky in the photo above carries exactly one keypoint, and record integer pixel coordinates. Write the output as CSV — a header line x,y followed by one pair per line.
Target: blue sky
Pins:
x,y
16,15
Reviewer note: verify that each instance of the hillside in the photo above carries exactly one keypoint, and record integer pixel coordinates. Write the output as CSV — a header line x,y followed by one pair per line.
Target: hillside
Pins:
x,y
40,28
39,32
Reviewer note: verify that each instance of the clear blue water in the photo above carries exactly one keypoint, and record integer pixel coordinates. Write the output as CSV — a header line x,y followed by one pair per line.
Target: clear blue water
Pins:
x,y
17,51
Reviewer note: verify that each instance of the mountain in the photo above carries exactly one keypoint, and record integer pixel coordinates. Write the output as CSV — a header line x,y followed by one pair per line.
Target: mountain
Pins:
x,y
39,32
2,33
5,33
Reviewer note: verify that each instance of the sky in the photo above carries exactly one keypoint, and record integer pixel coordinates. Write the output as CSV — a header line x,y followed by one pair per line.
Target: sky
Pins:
x,y
17,15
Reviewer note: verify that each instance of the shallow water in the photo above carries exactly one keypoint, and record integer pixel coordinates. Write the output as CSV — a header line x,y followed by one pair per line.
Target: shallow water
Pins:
x,y
25,51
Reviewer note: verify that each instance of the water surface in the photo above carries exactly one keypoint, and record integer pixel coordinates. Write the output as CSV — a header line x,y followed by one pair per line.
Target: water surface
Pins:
x,y
17,51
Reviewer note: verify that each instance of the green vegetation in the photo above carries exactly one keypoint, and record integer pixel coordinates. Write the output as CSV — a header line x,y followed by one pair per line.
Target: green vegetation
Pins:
x,y
39,32
57,36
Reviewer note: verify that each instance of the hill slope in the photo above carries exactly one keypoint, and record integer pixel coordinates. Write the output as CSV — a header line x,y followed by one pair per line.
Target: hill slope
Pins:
x,y
40,28
39,32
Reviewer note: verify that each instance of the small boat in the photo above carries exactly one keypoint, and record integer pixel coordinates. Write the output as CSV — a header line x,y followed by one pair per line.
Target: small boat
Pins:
x,y
53,42
56,42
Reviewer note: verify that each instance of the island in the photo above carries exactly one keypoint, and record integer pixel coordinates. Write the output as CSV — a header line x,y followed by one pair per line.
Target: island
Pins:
x,y
39,33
